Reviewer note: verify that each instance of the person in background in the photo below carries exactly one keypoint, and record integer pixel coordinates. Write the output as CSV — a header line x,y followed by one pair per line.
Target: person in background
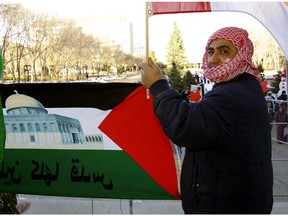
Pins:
x,y
185,94
227,166
270,113
283,99
269,98
281,118
283,96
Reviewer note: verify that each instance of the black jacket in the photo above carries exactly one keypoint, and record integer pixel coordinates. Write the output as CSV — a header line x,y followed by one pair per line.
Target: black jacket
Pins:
x,y
227,166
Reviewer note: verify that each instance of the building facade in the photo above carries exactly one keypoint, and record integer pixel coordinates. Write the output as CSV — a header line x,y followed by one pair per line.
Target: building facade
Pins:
x,y
27,122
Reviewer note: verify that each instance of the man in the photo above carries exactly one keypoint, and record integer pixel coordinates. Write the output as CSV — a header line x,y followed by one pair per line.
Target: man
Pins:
x,y
269,98
283,96
227,166
282,99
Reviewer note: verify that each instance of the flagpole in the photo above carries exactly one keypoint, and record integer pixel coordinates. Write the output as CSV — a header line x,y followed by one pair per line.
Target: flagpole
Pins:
x,y
147,40
2,125
131,206
147,30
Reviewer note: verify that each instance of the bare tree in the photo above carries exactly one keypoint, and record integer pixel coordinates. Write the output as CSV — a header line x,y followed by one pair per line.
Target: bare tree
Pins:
x,y
40,39
37,44
269,56
12,23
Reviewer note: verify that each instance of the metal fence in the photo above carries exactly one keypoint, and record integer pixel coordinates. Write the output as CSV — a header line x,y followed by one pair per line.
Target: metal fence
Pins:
x,y
280,164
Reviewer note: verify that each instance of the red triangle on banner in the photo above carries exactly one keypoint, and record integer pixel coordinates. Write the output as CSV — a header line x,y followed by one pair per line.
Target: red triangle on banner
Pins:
x,y
133,126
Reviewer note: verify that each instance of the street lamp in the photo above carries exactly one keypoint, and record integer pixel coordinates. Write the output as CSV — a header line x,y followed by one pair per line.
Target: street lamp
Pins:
x,y
86,71
98,64
27,69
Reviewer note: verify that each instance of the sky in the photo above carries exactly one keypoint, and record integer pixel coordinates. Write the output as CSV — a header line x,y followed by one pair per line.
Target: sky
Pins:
x,y
195,28
84,8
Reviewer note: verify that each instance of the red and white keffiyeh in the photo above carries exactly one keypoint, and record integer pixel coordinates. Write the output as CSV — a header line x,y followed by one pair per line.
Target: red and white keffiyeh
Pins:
x,y
241,63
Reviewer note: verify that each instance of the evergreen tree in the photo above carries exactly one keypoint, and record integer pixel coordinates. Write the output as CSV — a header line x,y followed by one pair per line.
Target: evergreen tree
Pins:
x,y
261,70
153,57
8,203
175,78
275,82
188,80
176,50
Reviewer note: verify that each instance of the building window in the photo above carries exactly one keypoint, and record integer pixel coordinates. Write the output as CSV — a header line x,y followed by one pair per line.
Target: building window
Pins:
x,y
32,138
64,128
100,138
37,127
45,127
7,127
30,128
60,127
53,127
14,127
22,128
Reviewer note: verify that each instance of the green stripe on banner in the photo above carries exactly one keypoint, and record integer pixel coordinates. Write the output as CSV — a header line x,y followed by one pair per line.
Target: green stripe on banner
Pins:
x,y
77,173
2,128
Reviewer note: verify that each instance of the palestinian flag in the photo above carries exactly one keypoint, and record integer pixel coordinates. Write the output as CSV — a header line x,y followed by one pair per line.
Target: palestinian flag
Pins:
x,y
85,140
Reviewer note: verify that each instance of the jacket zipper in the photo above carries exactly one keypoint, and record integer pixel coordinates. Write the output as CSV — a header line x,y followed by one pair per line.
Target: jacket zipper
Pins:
x,y
195,185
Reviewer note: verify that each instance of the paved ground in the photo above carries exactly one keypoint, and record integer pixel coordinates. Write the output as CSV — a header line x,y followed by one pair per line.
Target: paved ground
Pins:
x,y
64,205
280,166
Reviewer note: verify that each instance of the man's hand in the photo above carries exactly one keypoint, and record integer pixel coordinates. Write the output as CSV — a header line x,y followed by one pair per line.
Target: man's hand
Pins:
x,y
150,73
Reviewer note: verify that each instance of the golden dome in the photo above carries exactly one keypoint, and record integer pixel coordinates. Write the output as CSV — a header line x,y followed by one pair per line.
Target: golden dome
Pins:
x,y
20,100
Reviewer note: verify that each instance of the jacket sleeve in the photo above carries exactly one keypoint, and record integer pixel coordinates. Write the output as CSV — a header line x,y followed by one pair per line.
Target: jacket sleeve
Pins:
x,y
205,124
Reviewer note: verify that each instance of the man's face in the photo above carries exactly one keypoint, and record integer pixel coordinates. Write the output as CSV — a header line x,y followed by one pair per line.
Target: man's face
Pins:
x,y
220,51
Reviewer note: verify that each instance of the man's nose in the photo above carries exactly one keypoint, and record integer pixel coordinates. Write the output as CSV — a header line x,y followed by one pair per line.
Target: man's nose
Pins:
x,y
214,60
